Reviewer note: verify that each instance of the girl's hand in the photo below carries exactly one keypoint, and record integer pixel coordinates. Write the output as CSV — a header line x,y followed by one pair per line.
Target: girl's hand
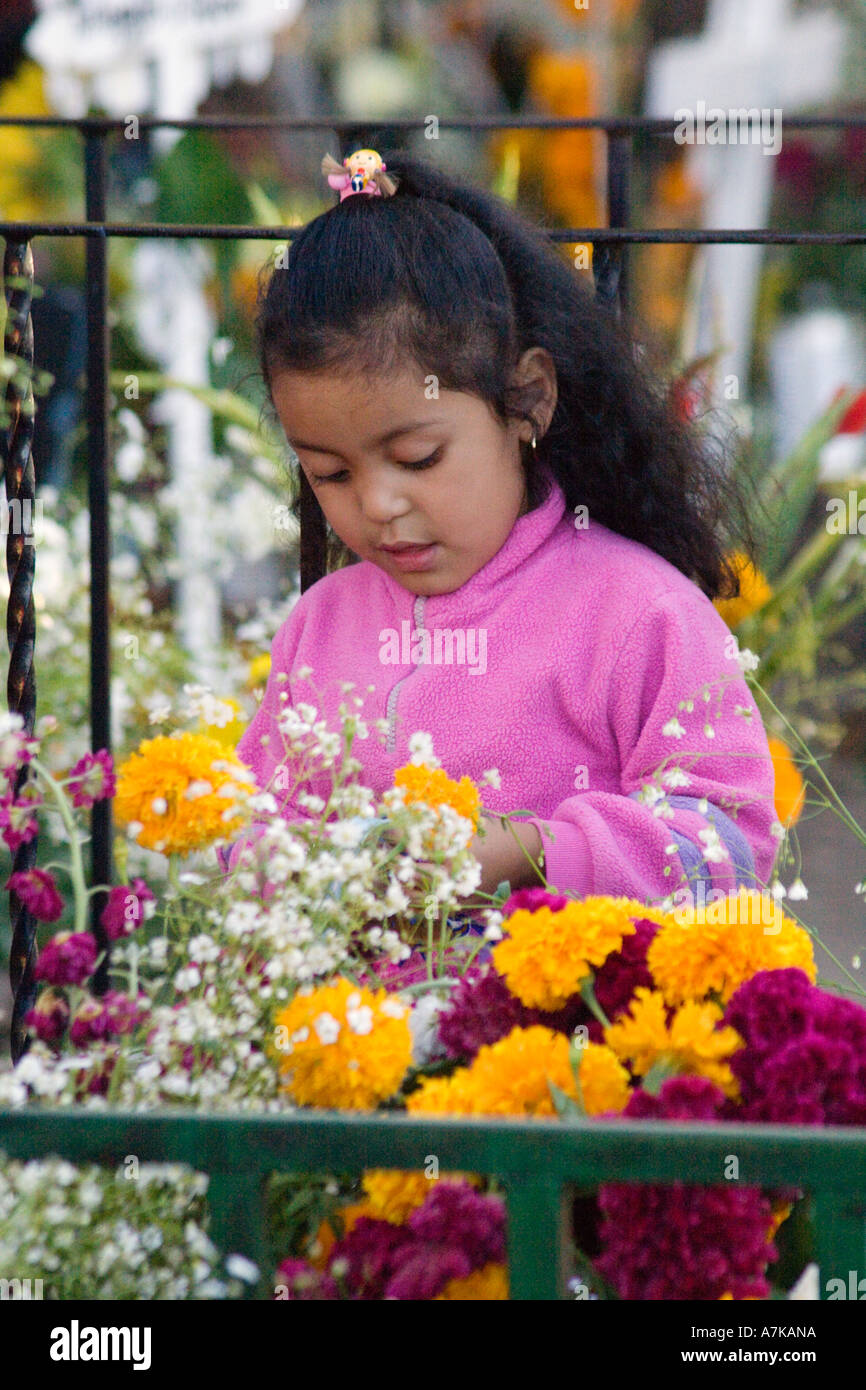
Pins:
x,y
500,855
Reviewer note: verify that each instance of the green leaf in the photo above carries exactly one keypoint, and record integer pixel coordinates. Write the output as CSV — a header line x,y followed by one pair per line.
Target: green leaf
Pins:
x,y
657,1075
566,1108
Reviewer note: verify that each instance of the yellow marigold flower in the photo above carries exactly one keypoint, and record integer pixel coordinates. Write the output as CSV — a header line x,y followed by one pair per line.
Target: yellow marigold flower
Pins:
x,y
392,1193
257,671
483,1285
435,788
714,949
178,788
691,1042
790,791
603,1080
343,1047
226,734
546,955
508,1077
754,592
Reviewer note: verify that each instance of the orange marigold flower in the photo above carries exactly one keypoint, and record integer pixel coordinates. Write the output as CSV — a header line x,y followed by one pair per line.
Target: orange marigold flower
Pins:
x,y
690,1043
392,1192
482,1285
179,789
435,788
790,792
754,592
546,955
714,949
343,1047
510,1077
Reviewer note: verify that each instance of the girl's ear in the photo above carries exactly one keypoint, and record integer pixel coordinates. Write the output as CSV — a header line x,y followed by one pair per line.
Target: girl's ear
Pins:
x,y
532,387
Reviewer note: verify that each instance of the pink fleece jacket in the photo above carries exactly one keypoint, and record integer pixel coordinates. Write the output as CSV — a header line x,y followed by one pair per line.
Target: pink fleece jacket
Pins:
x,y
570,651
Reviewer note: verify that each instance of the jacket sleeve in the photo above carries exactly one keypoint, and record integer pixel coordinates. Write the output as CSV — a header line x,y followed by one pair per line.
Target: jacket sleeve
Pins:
x,y
676,697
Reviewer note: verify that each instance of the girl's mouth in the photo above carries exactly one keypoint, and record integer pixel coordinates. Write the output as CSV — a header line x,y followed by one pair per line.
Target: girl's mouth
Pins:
x,y
412,557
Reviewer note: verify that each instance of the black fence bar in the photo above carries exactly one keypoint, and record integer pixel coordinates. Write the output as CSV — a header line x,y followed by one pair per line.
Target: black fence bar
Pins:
x,y
619,156
98,425
613,125
20,481
675,236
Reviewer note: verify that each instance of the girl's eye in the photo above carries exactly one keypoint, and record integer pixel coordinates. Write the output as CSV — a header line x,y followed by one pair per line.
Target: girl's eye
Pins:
x,y
423,463
413,464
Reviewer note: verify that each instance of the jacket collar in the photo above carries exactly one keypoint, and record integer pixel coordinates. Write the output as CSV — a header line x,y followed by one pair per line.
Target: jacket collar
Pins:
x,y
527,535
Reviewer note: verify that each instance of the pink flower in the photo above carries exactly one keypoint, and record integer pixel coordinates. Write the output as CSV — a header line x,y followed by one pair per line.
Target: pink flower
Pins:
x,y
106,1017
68,959
49,1017
124,910
16,747
92,779
38,892
18,824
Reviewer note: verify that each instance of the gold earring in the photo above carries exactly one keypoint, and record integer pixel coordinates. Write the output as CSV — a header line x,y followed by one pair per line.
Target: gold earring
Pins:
x,y
533,439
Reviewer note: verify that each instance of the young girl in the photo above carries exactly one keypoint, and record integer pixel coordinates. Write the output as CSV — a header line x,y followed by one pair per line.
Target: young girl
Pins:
x,y
539,541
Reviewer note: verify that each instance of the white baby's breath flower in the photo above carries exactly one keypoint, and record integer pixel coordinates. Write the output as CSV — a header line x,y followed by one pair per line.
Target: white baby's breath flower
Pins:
x,y
798,891
778,889
187,978
327,1028
421,750
676,777
747,660
714,851
673,729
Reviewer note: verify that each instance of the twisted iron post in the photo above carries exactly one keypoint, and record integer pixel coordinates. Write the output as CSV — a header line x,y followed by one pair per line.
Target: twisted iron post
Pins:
x,y
20,479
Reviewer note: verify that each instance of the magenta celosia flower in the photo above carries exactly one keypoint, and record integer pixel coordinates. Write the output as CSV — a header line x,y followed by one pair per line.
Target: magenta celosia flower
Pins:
x,y
49,1016
455,1214
624,970
124,910
531,899
38,892
370,1255
92,779
481,1010
680,1241
18,823
68,959
425,1270
804,1061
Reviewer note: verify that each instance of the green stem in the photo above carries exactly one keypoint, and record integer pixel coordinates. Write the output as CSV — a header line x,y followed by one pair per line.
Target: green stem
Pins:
x,y
76,865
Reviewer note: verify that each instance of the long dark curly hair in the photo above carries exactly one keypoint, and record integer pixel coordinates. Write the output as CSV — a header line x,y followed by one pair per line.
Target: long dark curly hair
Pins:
x,y
452,278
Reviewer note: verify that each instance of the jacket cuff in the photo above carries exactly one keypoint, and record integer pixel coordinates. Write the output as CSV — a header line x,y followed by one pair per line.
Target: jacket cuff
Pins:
x,y
567,862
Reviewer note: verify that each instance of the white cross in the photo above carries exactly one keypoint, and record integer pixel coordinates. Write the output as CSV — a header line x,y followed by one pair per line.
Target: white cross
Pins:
x,y
753,54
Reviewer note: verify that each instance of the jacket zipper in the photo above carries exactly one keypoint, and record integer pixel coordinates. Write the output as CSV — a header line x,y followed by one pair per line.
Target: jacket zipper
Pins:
x,y
418,621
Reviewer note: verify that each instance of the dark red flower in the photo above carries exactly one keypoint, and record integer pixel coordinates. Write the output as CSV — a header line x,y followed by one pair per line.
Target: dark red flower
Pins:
x,y
68,959
49,1016
681,1241
38,892
124,910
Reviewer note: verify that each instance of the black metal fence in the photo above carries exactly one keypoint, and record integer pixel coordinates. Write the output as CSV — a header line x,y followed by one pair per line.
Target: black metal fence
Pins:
x,y
610,269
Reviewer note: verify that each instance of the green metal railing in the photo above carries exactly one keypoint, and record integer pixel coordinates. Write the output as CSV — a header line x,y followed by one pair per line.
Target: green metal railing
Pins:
x,y
536,1161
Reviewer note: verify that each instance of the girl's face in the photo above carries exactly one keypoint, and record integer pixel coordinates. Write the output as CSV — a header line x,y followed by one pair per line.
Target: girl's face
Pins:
x,y
392,469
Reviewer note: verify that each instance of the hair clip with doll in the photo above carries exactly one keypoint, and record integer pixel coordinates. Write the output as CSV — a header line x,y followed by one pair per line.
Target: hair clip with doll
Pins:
x,y
362,171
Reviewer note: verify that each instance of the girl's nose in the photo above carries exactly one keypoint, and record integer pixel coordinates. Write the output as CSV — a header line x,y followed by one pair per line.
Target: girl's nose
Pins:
x,y
382,502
